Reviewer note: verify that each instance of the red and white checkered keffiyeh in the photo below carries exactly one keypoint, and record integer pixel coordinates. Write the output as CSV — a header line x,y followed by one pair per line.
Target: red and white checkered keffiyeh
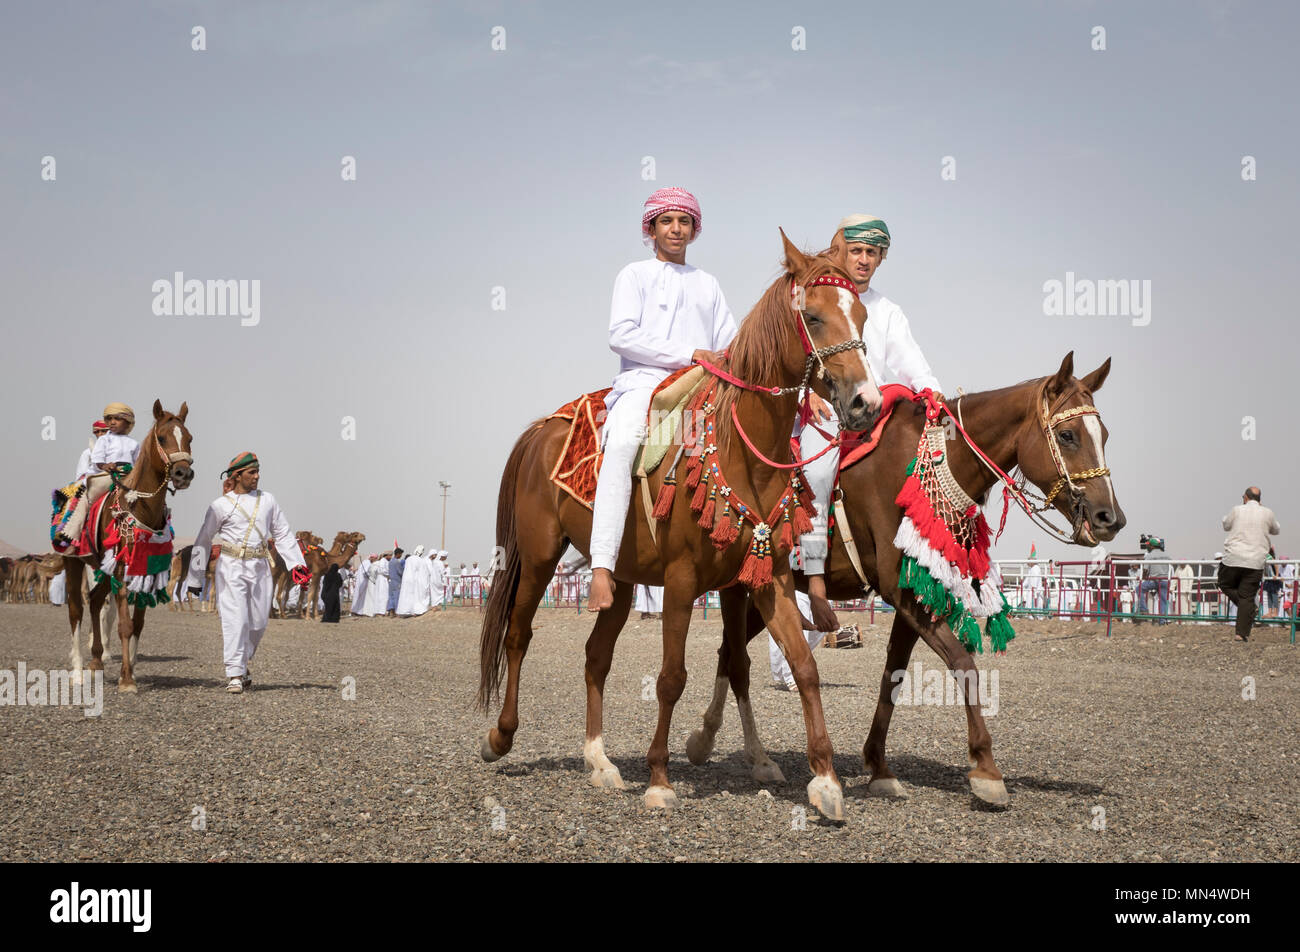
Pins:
x,y
669,199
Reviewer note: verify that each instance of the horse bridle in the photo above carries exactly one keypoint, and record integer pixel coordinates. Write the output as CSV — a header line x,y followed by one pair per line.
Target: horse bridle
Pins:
x,y
1064,477
816,355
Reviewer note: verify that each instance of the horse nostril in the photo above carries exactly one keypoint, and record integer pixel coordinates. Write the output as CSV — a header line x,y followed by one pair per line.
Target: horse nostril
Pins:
x,y
1104,517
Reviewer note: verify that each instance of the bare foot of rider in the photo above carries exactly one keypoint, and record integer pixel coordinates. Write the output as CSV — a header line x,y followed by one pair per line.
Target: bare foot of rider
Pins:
x,y
602,590
823,616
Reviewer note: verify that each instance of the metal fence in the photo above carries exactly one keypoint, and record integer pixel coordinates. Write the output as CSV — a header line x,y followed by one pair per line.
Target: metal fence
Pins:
x,y
1128,590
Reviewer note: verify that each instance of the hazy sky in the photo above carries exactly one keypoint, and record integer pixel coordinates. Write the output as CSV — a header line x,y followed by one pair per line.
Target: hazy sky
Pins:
x,y
522,169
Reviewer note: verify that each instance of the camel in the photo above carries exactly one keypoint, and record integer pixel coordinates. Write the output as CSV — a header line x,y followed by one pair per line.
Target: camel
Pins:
x,y
280,578
318,561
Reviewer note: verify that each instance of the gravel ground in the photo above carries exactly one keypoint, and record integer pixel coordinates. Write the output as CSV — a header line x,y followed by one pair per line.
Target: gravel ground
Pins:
x,y
1149,726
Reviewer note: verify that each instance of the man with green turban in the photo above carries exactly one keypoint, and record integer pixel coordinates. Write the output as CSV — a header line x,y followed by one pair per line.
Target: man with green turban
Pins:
x,y
860,246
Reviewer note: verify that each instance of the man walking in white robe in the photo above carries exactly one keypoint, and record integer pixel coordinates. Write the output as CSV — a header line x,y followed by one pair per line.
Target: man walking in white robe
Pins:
x,y
243,521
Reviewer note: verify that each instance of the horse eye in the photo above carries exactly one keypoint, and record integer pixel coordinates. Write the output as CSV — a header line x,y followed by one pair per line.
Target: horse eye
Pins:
x,y
1067,436
812,318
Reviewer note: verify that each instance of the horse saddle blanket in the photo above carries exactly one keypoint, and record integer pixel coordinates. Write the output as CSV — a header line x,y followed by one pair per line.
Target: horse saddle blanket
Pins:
x,y
90,542
578,467
65,501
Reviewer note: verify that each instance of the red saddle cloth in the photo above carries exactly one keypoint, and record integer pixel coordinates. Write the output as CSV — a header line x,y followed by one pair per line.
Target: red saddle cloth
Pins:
x,y
855,444
90,543
578,467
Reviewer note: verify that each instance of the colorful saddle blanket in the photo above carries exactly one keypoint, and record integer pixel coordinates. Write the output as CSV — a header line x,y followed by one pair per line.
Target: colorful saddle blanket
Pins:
x,y
578,467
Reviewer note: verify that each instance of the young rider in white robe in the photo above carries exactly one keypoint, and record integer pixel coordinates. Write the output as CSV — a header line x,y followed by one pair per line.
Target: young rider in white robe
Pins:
x,y
665,315
860,246
243,521
113,452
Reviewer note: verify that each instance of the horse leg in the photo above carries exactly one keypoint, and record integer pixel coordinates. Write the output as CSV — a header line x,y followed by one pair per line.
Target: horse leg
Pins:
x,y
76,610
740,622
126,682
679,600
98,594
902,637
137,626
534,576
600,653
985,778
779,610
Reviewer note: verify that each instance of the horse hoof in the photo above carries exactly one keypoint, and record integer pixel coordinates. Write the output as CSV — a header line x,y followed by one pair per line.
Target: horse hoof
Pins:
x,y
698,747
768,772
825,794
887,787
608,778
126,688
660,798
486,751
77,678
95,666
992,792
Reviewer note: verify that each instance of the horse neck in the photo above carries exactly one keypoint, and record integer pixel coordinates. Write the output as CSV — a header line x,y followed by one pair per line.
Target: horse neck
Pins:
x,y
146,477
767,422
995,421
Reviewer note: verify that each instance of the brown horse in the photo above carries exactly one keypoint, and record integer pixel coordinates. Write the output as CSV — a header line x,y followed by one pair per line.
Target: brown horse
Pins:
x,y
536,521
140,501
1013,427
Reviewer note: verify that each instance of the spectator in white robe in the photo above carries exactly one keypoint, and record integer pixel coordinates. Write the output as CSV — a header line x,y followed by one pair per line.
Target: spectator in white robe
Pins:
x,y
376,600
440,579
363,580
414,598
649,600
473,584
782,677
59,589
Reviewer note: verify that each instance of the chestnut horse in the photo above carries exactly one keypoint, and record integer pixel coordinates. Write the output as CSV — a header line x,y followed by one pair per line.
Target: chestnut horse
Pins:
x,y
536,521
1012,426
164,458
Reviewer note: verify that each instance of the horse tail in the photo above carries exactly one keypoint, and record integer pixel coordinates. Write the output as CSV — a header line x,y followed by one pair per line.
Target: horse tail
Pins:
x,y
505,573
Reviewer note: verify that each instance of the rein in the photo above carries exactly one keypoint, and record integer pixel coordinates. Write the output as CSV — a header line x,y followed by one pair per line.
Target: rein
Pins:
x,y
811,354
1017,490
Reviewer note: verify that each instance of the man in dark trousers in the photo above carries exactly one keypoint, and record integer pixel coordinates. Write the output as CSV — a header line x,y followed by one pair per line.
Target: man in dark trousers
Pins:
x,y
395,568
1244,552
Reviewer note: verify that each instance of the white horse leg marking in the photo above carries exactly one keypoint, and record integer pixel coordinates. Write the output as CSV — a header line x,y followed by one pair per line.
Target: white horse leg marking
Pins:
x,y
700,743
1093,426
135,641
603,772
763,767
74,659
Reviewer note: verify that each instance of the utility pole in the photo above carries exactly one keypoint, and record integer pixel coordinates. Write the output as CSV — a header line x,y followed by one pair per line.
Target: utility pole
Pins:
x,y
445,486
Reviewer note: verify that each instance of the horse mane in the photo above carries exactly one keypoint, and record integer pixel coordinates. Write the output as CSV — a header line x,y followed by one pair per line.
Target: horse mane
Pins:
x,y
756,355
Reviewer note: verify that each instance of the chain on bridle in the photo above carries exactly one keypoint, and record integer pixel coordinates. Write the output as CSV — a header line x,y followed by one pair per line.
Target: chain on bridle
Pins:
x,y
816,355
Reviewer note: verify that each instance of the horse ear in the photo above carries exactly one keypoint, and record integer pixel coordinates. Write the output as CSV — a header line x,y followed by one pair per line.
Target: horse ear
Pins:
x,y
795,260
185,411
157,410
1061,379
1095,379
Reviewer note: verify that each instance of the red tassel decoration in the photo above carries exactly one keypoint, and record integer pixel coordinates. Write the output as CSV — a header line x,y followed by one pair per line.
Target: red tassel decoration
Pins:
x,y
664,502
787,533
693,470
706,516
802,524
725,531
701,494
756,573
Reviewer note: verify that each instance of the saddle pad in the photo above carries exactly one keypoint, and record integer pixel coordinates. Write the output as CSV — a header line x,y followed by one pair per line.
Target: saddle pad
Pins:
x,y
667,406
578,467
